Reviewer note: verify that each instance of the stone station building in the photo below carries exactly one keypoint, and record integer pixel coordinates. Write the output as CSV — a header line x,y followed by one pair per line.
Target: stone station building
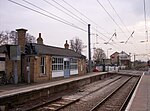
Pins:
x,y
36,62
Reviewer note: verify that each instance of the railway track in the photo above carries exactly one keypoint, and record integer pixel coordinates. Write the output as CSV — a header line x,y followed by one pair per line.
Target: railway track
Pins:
x,y
118,99
89,100
56,104
62,102
102,87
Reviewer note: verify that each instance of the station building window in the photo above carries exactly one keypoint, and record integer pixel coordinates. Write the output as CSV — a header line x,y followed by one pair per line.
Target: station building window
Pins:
x,y
74,64
42,65
57,64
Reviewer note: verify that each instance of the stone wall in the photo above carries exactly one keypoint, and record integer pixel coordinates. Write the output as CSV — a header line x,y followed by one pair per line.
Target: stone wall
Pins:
x,y
8,67
38,77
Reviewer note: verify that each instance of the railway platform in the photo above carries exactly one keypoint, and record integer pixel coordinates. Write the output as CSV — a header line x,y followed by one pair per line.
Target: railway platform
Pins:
x,y
12,95
141,98
23,88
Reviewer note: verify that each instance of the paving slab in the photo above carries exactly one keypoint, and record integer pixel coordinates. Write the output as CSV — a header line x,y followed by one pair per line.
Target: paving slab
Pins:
x,y
141,100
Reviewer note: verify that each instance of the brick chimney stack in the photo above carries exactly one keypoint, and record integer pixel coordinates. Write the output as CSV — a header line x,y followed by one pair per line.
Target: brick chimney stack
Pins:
x,y
21,38
39,39
66,45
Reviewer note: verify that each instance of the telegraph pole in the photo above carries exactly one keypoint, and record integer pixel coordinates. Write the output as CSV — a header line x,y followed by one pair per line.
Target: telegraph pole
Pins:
x,y
134,61
89,47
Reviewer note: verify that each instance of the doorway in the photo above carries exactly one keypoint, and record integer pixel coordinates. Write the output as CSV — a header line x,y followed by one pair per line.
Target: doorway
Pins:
x,y
66,68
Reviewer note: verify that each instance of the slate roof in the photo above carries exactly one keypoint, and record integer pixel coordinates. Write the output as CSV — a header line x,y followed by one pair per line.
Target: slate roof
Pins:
x,y
56,51
48,50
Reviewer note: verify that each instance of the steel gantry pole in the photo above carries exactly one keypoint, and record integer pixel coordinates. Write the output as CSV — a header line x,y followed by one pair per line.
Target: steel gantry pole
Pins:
x,y
89,48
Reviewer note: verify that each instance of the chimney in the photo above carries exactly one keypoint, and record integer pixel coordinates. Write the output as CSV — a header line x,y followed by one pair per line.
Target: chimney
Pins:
x,y
39,39
66,45
21,38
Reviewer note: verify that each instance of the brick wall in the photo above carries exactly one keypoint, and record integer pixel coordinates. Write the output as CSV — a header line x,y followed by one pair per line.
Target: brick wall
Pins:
x,y
9,67
38,77
21,38
81,66
35,74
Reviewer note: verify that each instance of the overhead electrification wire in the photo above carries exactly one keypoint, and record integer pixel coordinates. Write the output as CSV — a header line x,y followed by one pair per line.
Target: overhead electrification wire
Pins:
x,y
70,15
115,21
129,37
74,16
146,30
110,16
89,20
78,17
60,19
47,11
46,15
84,15
118,15
101,33
112,37
98,36
65,12
69,11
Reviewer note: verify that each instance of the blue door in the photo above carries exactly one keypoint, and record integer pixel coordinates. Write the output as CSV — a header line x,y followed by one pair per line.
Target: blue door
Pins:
x,y
66,69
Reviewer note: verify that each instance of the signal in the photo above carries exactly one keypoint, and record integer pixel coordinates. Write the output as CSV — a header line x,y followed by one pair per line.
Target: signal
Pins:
x,y
27,49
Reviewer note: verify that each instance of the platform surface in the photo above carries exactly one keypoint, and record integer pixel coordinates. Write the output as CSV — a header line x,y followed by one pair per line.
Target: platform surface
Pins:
x,y
17,89
141,100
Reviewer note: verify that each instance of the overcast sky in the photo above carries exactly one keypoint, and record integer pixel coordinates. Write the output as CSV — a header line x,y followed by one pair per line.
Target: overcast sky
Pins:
x,y
55,33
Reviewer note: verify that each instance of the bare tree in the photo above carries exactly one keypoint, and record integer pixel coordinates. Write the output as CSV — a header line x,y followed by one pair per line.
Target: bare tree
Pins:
x,y
30,38
76,45
99,55
6,37
10,37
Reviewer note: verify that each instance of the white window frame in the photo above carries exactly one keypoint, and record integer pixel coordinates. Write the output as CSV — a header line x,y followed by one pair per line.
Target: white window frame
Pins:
x,y
74,64
43,65
57,64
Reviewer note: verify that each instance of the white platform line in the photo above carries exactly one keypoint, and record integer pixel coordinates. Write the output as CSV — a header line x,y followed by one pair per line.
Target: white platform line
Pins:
x,y
131,100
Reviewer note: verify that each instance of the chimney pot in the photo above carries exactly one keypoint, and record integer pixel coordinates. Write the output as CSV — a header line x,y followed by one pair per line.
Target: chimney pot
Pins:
x,y
21,38
39,39
66,45
40,35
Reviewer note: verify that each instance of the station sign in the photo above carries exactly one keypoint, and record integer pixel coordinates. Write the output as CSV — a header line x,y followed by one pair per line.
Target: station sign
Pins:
x,y
15,52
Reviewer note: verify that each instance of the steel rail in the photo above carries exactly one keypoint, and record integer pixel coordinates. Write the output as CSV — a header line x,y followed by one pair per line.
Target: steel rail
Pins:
x,y
42,104
67,104
129,96
88,94
50,102
105,99
35,107
102,87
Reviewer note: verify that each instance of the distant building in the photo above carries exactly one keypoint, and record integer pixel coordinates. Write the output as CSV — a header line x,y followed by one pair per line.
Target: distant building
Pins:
x,y
121,59
37,62
115,58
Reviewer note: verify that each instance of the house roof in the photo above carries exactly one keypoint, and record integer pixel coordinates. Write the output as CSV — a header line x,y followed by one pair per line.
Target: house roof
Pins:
x,y
48,50
122,52
56,51
114,54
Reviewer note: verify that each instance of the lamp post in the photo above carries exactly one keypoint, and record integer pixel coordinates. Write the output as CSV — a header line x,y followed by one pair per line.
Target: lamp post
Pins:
x,y
107,51
89,47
